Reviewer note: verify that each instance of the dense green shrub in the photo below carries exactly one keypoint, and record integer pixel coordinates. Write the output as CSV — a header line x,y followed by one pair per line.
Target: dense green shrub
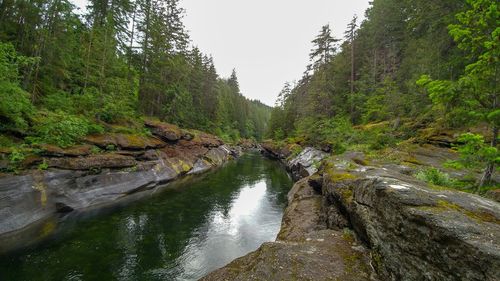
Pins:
x,y
62,129
436,177
474,153
15,105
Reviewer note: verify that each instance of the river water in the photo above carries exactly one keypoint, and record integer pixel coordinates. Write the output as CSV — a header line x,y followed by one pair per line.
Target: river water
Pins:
x,y
182,233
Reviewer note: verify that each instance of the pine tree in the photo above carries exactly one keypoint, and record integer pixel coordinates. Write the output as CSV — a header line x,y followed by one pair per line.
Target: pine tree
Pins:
x,y
350,35
324,47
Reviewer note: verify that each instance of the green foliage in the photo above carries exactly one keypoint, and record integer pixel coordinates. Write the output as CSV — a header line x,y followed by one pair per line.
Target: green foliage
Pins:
x,y
474,152
279,134
43,166
62,129
397,43
15,105
435,177
17,156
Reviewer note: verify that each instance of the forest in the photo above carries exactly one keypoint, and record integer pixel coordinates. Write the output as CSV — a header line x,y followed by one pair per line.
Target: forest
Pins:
x,y
65,74
410,68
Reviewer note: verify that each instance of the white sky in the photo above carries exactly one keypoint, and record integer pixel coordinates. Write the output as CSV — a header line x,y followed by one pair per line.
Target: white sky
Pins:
x,y
267,41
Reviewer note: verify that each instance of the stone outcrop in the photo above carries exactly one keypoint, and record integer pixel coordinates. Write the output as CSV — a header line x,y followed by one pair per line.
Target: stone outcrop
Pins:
x,y
78,180
403,229
303,164
416,232
167,132
306,163
124,141
99,161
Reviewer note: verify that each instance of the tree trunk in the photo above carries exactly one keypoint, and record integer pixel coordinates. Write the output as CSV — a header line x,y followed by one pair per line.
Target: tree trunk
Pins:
x,y
488,172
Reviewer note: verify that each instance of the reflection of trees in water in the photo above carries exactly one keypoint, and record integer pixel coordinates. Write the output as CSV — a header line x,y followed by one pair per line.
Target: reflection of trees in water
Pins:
x,y
145,239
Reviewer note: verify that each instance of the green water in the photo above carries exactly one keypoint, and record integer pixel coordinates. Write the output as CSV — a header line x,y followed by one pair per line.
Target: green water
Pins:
x,y
182,233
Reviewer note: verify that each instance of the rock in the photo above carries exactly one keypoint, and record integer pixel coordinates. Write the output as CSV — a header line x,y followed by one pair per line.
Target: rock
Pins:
x,y
23,201
4,164
304,249
324,255
271,150
247,144
200,166
63,208
31,160
306,163
303,214
442,139
78,181
217,156
74,151
208,140
125,141
134,142
98,161
415,232
493,195
101,140
149,155
165,131
186,135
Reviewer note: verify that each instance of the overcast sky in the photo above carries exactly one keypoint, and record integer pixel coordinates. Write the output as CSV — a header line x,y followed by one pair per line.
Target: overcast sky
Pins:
x,y
267,41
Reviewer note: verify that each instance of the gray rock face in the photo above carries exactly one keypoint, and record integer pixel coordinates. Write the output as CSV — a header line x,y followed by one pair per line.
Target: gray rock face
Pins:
x,y
23,201
415,232
306,163
29,199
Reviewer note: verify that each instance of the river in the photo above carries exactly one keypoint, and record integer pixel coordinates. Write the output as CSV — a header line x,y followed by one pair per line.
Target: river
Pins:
x,y
181,233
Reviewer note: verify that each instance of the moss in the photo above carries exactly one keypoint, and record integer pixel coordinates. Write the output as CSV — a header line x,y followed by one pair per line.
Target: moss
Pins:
x,y
347,194
371,126
412,160
480,216
347,235
377,261
336,176
360,162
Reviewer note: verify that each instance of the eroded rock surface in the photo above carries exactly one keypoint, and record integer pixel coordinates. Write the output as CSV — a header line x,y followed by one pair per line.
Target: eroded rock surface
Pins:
x,y
416,232
407,230
78,180
304,164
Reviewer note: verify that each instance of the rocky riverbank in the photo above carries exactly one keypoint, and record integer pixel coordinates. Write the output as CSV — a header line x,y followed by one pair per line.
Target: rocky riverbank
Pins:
x,y
106,170
348,219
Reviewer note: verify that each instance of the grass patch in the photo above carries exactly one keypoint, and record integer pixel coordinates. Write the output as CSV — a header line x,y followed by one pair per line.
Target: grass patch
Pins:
x,y
435,177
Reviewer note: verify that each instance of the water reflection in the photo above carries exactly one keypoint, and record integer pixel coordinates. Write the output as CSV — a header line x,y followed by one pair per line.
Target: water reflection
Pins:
x,y
182,234
250,221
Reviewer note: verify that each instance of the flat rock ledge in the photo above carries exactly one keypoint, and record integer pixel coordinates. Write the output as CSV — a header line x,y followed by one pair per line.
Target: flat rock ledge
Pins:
x,y
356,221
32,203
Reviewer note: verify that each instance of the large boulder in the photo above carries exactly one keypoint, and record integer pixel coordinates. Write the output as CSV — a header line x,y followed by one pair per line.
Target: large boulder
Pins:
x,y
165,131
417,232
306,163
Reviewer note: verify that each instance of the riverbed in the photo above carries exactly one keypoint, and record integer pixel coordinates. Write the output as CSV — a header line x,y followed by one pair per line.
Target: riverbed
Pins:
x,y
182,232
